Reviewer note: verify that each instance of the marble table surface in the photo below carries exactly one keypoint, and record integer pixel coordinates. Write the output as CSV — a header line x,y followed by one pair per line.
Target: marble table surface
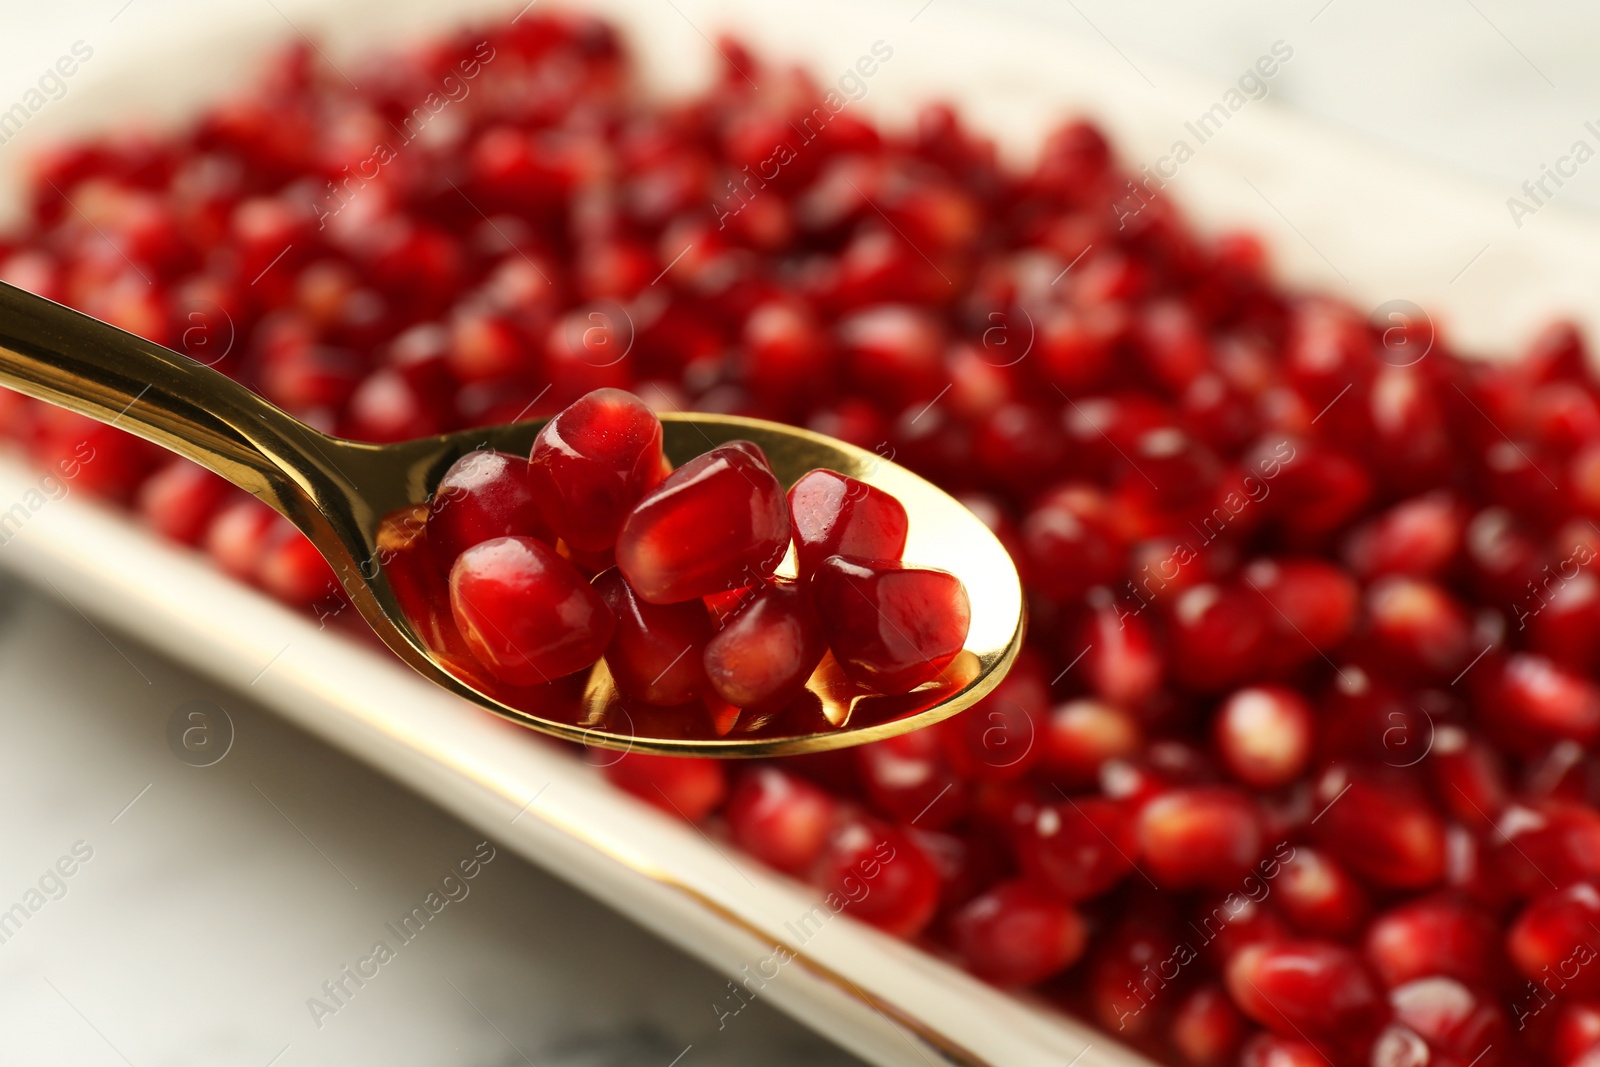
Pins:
x,y
207,906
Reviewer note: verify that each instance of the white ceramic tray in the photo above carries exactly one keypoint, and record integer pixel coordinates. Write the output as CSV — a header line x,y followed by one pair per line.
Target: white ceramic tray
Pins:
x,y
1336,215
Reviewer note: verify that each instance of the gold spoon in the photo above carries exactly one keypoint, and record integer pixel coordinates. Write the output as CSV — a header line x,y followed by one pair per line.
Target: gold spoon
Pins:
x,y
338,492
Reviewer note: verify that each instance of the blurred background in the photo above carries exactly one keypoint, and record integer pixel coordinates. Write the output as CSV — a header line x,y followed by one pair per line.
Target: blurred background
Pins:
x,y
220,898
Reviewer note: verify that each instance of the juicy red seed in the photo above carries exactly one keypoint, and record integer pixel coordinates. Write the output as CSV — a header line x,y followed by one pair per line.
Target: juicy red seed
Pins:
x,y
592,463
1420,537
780,818
766,650
1469,778
1219,636
1385,833
1312,606
835,515
1554,935
1452,1018
684,786
179,500
1541,844
908,778
877,874
718,522
1433,935
1575,1030
655,651
1531,702
1206,1028
1083,734
1270,1050
1319,896
1314,989
525,613
1193,838
891,626
1014,934
1001,738
482,496
1078,849
1264,735
1121,657
1072,542
293,570
1418,628
238,535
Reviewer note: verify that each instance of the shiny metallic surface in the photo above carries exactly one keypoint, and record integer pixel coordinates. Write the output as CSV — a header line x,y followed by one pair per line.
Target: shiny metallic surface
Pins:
x,y
339,491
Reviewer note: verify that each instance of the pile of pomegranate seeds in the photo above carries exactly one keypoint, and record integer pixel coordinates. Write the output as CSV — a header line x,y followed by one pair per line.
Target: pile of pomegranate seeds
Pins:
x,y
687,603
1298,766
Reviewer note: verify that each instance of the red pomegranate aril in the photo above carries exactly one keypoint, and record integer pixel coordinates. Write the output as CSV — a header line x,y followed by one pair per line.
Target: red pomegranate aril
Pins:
x,y
238,534
1386,833
525,613
1319,897
891,626
1001,738
1452,1018
876,873
1418,629
766,650
1530,702
1264,735
293,570
1553,939
592,463
655,651
1542,844
1469,779
1206,1028
688,787
908,778
1120,654
179,500
1312,607
1219,636
1574,1031
718,522
780,818
1072,542
1270,1050
1199,838
482,496
1083,734
1079,849
1015,934
835,515
1420,537
1317,990
1434,935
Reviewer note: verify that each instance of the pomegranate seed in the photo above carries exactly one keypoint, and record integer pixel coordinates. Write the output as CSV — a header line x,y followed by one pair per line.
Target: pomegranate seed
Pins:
x,y
684,786
655,650
1083,734
1269,1050
1420,537
1072,542
1014,934
1079,849
780,818
1574,1030
1386,834
878,875
1418,628
1539,844
1194,838
1219,636
1206,1028
1531,702
1119,653
1319,896
1311,606
891,626
180,499
238,534
482,496
1450,1017
525,613
765,652
1264,735
834,515
1314,989
718,522
1552,940
1469,781
1433,935
908,778
592,463
292,569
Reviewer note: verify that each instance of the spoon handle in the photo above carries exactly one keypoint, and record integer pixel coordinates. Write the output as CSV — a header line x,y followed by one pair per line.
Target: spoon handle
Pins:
x,y
58,355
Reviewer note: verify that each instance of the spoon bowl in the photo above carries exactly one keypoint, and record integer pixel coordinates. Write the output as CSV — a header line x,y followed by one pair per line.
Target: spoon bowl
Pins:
x,y
352,499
